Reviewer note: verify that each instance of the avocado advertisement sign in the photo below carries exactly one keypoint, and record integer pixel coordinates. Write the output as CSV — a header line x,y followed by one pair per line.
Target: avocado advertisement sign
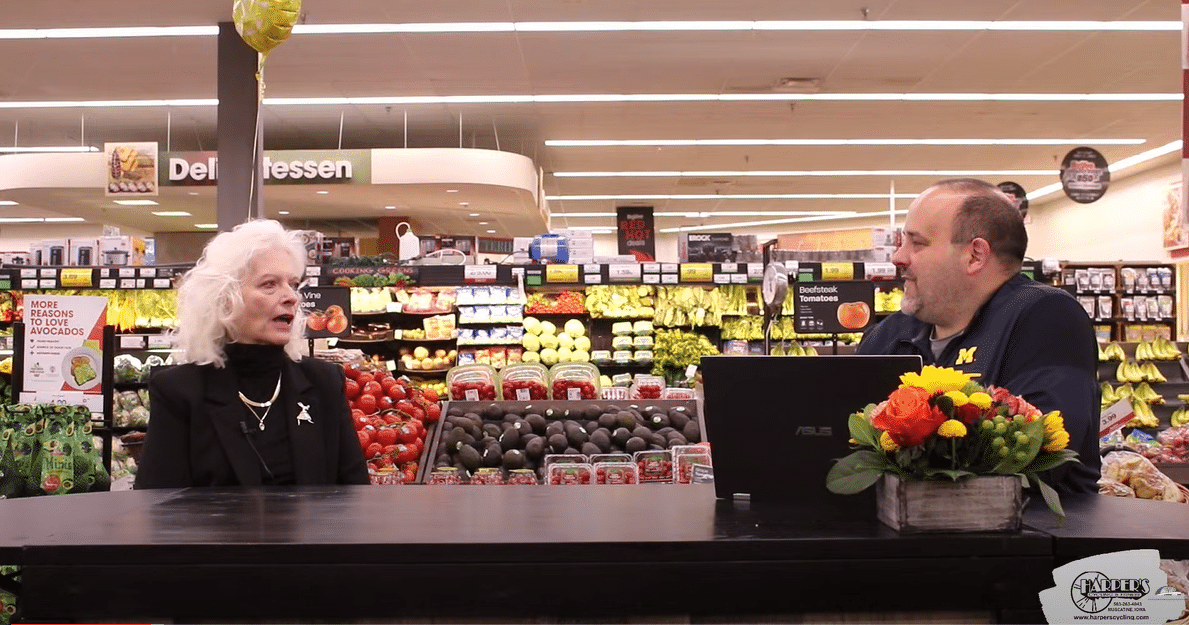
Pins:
x,y
637,235
190,169
833,307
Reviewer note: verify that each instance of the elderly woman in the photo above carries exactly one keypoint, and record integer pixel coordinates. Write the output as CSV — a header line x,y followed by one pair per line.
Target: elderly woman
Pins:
x,y
247,408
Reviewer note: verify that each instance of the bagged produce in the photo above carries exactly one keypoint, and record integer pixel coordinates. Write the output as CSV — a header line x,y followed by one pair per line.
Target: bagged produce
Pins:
x,y
1140,476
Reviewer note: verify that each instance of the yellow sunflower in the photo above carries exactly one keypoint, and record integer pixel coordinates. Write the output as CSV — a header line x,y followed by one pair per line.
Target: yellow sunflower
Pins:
x,y
936,379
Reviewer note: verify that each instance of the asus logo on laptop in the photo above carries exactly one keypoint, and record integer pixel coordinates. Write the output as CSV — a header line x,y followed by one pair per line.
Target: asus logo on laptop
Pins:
x,y
809,430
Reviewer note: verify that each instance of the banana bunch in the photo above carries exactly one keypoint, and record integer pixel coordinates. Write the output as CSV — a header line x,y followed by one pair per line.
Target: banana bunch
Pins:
x,y
1144,417
1112,351
1179,417
1157,349
1134,372
1145,393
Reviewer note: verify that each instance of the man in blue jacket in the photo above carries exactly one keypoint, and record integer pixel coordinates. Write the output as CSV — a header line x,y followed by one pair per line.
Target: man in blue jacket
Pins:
x,y
967,306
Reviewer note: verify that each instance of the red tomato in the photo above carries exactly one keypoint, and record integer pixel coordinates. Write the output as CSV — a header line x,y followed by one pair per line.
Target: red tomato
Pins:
x,y
384,402
360,419
406,432
430,394
351,370
364,378
373,450
396,392
372,388
367,404
365,438
351,390
387,383
386,436
433,412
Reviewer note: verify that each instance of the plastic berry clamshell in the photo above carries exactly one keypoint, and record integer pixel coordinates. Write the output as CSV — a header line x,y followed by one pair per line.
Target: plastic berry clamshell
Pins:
x,y
488,476
574,381
566,474
685,457
602,458
674,392
522,477
474,382
654,465
552,459
614,393
524,382
647,387
617,473
387,477
445,476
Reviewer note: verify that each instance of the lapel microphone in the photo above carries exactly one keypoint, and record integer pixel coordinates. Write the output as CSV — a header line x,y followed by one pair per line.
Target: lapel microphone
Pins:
x,y
243,427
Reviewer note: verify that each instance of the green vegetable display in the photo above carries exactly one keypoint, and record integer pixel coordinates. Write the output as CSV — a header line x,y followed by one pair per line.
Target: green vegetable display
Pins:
x,y
48,450
675,350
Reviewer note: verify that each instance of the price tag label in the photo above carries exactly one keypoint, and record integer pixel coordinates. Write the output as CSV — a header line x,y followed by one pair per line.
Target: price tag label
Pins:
x,y
651,267
838,271
162,283
47,284
478,273
148,272
668,267
879,271
128,283
76,277
472,394
29,284
728,267
128,272
395,307
626,272
691,371
28,273
561,274
104,273
591,268
652,278
573,394
132,342
109,283
593,278
738,278
722,278
522,394
331,342
391,364
697,272
141,283
668,278
1115,417
313,270
158,341
47,273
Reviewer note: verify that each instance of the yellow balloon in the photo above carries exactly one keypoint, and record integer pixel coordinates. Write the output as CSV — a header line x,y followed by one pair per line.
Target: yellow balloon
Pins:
x,y
265,24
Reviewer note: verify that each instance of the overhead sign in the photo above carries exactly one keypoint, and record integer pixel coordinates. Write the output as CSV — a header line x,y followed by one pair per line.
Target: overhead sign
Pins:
x,y
637,234
278,167
1085,175
131,169
1016,193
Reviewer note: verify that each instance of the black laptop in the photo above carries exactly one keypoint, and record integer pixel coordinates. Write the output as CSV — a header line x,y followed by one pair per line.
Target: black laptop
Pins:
x,y
776,423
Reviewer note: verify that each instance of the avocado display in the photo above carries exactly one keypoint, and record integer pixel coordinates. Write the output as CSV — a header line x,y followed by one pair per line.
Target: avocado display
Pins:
x,y
691,432
510,439
513,459
470,459
537,422
558,443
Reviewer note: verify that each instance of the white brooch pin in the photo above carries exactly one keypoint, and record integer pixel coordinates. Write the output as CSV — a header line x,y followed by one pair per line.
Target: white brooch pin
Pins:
x,y
304,415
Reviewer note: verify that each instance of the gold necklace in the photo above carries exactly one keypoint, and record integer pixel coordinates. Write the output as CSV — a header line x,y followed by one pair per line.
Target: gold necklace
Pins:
x,y
267,406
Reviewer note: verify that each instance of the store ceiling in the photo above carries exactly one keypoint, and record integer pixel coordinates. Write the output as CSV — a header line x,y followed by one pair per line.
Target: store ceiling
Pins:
x,y
566,63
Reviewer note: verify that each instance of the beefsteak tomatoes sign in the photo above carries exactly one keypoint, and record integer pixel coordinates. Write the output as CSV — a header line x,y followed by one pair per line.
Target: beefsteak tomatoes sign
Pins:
x,y
637,235
833,307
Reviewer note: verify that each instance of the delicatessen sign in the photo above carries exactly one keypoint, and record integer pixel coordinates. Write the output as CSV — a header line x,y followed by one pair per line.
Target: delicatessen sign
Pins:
x,y
278,167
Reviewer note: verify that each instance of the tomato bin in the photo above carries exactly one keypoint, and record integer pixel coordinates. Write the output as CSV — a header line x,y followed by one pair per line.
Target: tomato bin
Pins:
x,y
524,382
474,382
574,381
394,421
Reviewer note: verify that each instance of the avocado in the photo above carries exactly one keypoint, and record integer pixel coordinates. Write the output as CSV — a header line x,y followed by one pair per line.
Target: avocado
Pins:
x,y
576,435
642,432
471,427
513,410
625,419
454,437
493,430
682,410
635,444
601,439
467,439
676,438
537,422
620,437
510,417
535,448
443,460
474,417
590,426
505,426
514,459
552,413
591,412
655,447
454,411
678,419
665,431
469,458
571,451
493,412
658,439
522,426
510,439
612,409
659,420
558,443
493,455
637,416
590,449
525,439
607,420
691,432
556,427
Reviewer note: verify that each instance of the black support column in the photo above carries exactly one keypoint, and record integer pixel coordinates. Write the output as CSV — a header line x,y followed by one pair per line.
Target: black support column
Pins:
x,y
239,196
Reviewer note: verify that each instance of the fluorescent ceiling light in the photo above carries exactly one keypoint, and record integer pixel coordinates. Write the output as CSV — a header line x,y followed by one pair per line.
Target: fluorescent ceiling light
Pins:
x,y
807,173
7,203
706,214
491,232
38,220
322,192
737,196
1130,161
474,214
135,202
206,226
389,208
774,222
619,97
282,212
50,148
588,143
611,26
172,214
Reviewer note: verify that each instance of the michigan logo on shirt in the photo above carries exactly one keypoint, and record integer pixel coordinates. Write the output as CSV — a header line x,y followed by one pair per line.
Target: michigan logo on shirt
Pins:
x,y
966,356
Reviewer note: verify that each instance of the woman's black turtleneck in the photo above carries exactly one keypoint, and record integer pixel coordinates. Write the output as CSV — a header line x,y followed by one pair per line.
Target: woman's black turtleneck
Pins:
x,y
256,369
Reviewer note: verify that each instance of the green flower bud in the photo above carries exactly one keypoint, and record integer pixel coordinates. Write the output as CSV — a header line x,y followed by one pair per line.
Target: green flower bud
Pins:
x,y
1021,438
1004,451
1018,419
1021,456
998,442
987,425
1000,428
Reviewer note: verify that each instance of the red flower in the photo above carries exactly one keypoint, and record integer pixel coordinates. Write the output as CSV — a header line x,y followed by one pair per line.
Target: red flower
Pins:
x,y
907,416
968,413
1015,404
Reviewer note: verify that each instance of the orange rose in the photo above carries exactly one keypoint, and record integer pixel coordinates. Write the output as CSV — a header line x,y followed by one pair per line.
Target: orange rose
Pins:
x,y
907,416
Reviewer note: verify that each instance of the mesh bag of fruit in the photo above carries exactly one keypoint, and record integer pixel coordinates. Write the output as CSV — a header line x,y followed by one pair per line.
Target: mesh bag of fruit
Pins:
x,y
11,484
53,468
26,421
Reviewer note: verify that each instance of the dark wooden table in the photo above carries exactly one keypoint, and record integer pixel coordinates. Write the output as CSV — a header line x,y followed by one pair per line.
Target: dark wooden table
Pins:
x,y
567,552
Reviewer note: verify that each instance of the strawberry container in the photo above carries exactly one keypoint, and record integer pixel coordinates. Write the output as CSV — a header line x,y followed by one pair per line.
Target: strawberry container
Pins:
x,y
684,459
522,477
488,476
567,474
617,473
655,465
574,381
475,382
647,387
524,382
601,458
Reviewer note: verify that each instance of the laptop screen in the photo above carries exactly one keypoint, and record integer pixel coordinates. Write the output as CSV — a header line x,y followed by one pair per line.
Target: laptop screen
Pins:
x,y
777,423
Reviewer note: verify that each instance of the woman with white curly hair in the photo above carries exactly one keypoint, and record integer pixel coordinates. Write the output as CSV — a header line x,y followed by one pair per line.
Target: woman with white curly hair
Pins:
x,y
246,408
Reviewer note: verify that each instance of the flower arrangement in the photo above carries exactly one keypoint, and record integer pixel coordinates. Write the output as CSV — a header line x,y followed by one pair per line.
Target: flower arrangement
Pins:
x,y
940,425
